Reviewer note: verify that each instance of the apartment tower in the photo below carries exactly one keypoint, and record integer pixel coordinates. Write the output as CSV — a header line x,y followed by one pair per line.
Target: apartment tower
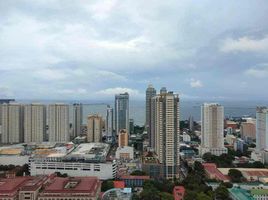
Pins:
x,y
109,124
150,92
77,119
261,128
34,123
165,122
12,123
94,128
212,129
58,122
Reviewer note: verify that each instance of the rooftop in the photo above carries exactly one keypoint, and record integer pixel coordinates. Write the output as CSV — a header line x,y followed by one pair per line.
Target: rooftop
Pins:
x,y
240,194
73,185
211,168
9,185
259,191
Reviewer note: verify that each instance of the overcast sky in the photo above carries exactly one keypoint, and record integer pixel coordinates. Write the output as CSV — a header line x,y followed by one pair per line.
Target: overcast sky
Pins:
x,y
93,49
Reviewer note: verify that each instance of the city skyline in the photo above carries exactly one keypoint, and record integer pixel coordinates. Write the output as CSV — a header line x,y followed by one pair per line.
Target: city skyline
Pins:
x,y
202,50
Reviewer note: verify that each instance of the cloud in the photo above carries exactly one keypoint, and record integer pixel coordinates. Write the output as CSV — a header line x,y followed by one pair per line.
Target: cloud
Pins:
x,y
118,90
260,71
245,44
6,92
50,74
195,83
110,75
73,92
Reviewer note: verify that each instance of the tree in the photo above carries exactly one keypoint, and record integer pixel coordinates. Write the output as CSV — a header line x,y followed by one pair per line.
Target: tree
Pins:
x,y
203,196
107,185
221,193
166,196
235,175
149,192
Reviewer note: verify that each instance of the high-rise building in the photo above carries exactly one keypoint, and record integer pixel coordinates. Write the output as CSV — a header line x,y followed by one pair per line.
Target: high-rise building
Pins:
x,y
261,128
77,119
191,123
248,130
123,138
212,129
109,124
58,122
94,128
12,123
131,126
165,122
163,90
34,123
2,101
150,92
121,112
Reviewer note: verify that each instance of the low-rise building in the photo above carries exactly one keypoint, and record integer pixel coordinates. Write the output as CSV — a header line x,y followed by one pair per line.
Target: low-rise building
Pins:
x,y
124,152
75,188
213,173
134,181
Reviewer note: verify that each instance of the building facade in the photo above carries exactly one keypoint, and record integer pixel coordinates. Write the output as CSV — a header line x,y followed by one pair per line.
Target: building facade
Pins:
x,y
212,129
165,131
34,123
123,138
261,128
77,119
121,112
94,128
58,122
109,124
12,123
150,92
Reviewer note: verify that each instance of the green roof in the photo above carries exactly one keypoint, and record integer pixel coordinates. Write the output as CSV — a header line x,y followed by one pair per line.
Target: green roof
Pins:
x,y
240,194
259,191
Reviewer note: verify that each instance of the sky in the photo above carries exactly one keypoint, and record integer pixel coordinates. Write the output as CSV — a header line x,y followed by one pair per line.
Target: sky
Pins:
x,y
203,49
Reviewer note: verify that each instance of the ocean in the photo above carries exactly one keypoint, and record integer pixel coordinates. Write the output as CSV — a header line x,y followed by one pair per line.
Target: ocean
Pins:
x,y
187,108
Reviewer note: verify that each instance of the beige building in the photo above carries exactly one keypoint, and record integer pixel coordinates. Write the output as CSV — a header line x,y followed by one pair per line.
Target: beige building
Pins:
x,y
12,123
123,138
34,123
248,130
165,131
94,128
212,129
58,122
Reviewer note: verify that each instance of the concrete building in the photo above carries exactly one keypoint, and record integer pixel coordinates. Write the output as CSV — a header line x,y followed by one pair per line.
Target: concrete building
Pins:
x,y
121,112
12,123
75,188
164,138
212,138
150,92
123,138
124,152
131,126
34,123
191,123
87,159
77,119
248,130
261,128
94,128
109,125
58,122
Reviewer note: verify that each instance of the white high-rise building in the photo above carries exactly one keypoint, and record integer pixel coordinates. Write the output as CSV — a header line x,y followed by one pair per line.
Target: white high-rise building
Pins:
x,y
165,123
109,124
261,128
77,119
34,123
212,129
121,112
94,128
58,122
12,123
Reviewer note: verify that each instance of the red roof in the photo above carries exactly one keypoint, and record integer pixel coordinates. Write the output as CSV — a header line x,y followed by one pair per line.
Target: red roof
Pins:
x,y
119,184
10,185
178,192
82,185
211,168
136,177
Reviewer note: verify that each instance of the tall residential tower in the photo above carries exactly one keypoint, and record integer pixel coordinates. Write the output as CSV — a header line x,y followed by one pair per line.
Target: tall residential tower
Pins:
x,y
150,92
261,128
94,128
12,123
109,124
212,129
77,119
58,122
165,122
34,123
